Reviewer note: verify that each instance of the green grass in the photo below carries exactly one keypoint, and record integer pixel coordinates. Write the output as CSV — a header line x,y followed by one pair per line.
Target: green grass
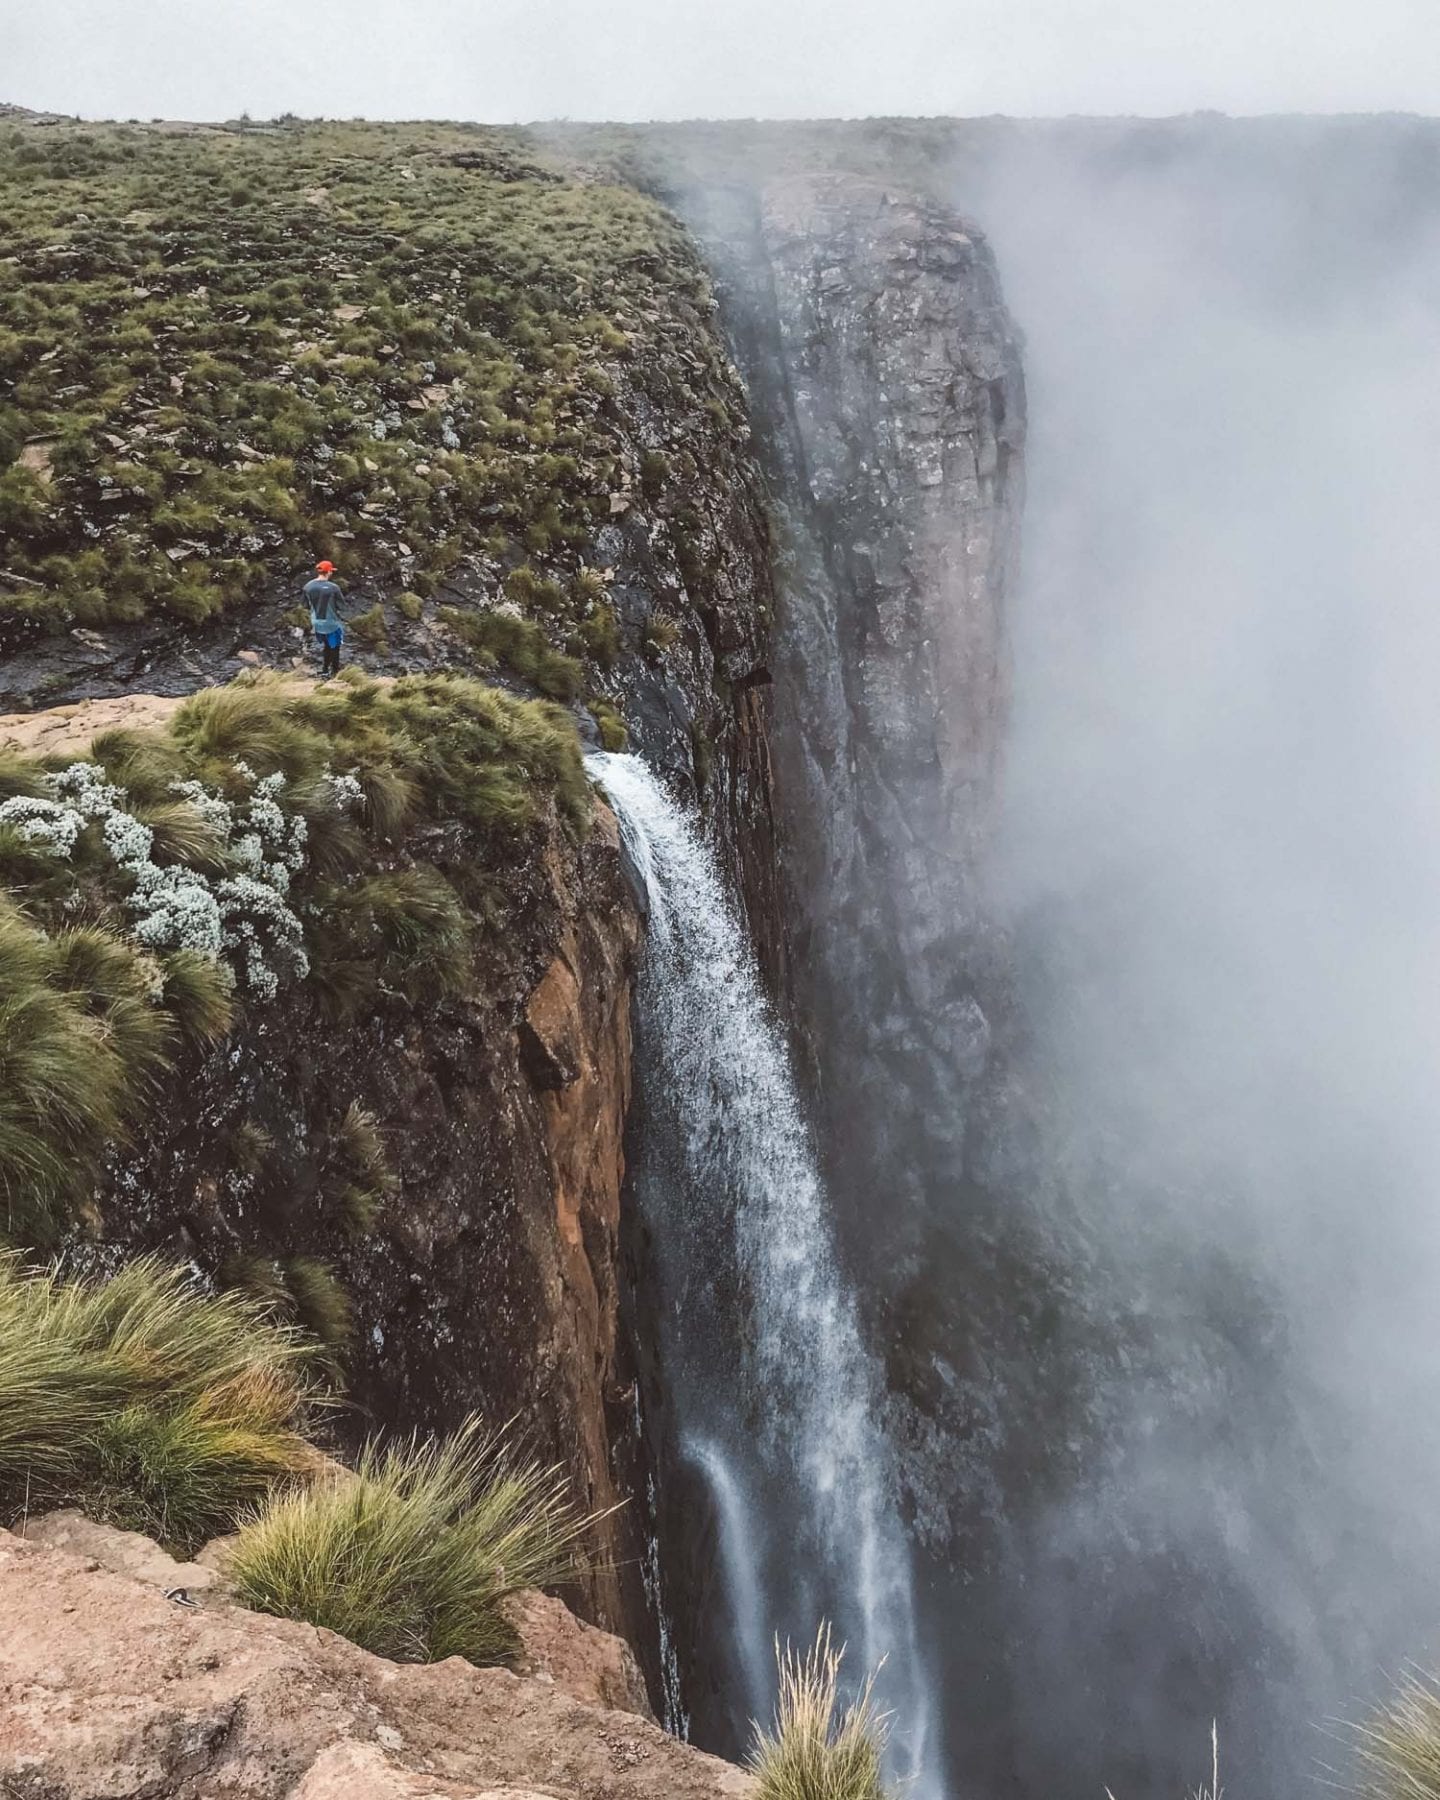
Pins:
x,y
145,1401
418,350
817,1747
368,628
81,1043
413,1558
521,645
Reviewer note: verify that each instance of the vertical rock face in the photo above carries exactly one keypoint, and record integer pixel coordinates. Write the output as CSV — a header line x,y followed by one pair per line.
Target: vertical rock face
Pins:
x,y
886,386
886,383
488,1280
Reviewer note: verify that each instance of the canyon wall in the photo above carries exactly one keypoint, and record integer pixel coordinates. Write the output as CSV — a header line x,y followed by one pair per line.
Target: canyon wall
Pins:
x,y
887,390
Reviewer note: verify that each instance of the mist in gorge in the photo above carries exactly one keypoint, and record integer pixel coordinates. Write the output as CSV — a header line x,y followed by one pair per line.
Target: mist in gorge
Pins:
x,y
1219,862
1115,895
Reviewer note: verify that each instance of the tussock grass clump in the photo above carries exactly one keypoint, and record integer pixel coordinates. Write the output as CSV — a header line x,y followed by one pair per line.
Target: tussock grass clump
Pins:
x,y
610,723
410,925
1399,1748
146,1401
299,1290
359,1178
521,644
200,994
413,1557
80,1042
818,1749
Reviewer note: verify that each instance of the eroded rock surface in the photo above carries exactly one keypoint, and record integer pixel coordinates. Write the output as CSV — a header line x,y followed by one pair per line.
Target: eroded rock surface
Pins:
x,y
110,1691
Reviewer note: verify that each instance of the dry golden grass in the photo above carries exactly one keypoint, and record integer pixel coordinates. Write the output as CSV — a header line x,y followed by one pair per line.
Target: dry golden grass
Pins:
x,y
413,1557
1399,1747
819,1748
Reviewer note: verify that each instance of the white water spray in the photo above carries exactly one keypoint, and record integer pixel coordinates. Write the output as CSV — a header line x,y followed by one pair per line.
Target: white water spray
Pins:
x,y
742,1553
772,1378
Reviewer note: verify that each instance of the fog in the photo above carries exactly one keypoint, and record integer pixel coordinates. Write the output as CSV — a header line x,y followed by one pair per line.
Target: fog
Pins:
x,y
1222,861
506,60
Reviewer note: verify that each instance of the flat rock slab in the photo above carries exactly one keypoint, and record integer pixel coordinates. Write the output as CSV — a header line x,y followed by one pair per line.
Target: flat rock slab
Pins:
x,y
110,1691
121,1552
58,728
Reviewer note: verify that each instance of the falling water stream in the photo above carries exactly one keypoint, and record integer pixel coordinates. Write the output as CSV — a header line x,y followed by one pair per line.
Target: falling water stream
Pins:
x,y
771,1392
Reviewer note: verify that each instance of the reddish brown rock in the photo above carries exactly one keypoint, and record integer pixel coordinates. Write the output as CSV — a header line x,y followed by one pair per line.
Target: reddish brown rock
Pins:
x,y
108,1689
590,1665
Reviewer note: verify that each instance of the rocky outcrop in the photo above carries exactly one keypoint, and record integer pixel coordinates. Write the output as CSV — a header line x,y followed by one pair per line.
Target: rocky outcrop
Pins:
x,y
110,1688
885,378
590,1665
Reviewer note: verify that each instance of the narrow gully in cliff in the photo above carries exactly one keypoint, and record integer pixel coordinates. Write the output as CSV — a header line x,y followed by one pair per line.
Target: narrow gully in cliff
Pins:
x,y
767,1407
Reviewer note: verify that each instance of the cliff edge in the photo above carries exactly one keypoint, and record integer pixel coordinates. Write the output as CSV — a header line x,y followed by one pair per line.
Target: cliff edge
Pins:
x,y
114,1683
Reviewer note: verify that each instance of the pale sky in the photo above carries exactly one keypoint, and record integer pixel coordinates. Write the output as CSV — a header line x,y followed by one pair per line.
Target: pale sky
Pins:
x,y
635,59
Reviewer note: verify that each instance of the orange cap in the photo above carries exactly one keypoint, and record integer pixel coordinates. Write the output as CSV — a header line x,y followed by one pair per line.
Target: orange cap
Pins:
x,y
324,568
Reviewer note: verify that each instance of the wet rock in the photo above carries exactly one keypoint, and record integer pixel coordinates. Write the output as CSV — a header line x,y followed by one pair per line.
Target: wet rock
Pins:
x,y
885,377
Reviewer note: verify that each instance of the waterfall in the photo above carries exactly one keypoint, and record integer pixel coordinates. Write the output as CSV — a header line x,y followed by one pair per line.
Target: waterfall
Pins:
x,y
771,1391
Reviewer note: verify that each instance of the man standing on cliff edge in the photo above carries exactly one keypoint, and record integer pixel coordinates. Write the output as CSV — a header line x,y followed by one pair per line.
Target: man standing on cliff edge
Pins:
x,y
323,596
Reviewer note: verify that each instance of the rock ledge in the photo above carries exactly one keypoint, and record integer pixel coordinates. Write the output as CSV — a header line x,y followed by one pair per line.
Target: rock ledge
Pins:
x,y
111,1691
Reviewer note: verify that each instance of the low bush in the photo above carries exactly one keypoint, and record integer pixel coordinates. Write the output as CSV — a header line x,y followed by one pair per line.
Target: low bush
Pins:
x,y
818,1749
413,1557
146,1401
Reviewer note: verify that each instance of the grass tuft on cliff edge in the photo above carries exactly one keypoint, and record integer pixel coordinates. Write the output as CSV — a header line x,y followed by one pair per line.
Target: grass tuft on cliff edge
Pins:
x,y
818,1749
158,1407
152,1405
414,1556
1399,1748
